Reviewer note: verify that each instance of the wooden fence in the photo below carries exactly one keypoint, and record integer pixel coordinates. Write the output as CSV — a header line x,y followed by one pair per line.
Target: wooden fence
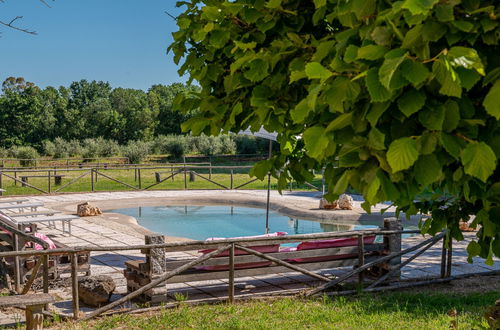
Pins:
x,y
150,176
392,258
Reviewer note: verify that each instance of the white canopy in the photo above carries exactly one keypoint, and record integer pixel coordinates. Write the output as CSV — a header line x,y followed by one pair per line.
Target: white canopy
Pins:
x,y
262,133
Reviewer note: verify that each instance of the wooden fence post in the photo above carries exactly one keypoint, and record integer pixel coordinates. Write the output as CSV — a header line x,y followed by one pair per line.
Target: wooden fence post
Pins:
x,y
139,177
49,183
185,177
92,178
232,179
361,257
231,274
1,183
74,285
392,243
17,270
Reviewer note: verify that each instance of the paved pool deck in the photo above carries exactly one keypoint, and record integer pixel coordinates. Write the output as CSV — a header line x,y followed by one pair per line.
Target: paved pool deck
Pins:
x,y
118,230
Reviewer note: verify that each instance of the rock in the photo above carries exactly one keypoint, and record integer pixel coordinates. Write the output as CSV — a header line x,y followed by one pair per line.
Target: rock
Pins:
x,y
465,226
324,204
345,202
96,290
87,210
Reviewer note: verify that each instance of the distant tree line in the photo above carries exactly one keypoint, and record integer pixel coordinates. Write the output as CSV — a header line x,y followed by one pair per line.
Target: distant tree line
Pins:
x,y
91,120
29,114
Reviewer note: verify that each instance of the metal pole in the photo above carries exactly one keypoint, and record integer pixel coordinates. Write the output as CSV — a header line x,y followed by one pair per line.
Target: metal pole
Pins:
x,y
268,188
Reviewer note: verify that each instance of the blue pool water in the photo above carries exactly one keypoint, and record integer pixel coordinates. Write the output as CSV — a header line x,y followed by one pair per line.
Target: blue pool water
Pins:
x,y
202,222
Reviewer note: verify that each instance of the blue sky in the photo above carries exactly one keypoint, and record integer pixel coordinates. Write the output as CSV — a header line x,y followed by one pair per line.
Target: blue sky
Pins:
x,y
120,41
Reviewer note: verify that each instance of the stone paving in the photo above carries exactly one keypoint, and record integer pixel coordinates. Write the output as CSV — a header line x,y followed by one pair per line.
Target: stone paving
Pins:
x,y
89,232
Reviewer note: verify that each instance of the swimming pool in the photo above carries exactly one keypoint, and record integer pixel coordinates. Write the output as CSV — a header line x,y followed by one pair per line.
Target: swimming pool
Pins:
x,y
202,222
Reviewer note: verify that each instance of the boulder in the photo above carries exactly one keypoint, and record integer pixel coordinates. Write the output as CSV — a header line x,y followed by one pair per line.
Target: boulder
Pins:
x,y
326,205
95,290
87,210
345,202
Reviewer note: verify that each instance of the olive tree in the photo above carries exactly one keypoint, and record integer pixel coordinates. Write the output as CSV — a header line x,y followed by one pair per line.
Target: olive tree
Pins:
x,y
398,99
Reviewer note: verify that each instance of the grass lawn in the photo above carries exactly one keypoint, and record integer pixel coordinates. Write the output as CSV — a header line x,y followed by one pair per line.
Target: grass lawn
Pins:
x,y
384,311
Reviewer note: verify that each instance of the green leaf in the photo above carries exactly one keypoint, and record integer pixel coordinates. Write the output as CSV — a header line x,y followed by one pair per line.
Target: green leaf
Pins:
x,y
257,70
402,154
261,169
340,122
444,13
340,90
316,142
388,69
376,110
378,92
306,105
381,35
452,116
371,52
415,72
426,144
372,189
219,38
342,183
466,58
448,78
492,101
479,160
411,102
427,170
473,249
376,139
273,4
417,7
315,70
432,117
451,145
468,78
319,3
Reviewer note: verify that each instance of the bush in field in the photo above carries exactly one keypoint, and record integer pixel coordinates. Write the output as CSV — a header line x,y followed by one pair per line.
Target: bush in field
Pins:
x,y
245,144
90,148
49,148
109,148
27,155
4,153
174,145
227,144
65,149
136,151
208,145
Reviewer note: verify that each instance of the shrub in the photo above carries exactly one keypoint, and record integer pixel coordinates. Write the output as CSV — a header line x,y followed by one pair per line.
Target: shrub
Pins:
x,y
27,155
90,148
109,148
49,148
65,149
4,153
227,144
245,144
208,145
136,151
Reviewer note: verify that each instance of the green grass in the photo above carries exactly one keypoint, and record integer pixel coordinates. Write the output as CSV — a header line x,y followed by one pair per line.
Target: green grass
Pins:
x,y
387,311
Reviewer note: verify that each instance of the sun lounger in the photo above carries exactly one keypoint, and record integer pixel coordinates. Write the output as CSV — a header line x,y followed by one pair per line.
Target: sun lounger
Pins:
x,y
64,218
17,200
21,206
31,214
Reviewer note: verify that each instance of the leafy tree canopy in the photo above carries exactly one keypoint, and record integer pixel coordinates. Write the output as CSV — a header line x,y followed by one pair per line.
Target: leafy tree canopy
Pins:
x,y
398,99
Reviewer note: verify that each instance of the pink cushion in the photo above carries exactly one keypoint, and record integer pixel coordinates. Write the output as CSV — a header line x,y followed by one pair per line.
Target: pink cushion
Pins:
x,y
330,243
260,248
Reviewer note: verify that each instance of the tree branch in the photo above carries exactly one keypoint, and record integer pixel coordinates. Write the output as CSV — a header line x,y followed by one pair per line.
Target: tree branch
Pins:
x,y
10,25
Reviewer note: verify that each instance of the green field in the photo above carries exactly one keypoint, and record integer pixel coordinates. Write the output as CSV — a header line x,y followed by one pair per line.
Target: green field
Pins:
x,y
387,311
